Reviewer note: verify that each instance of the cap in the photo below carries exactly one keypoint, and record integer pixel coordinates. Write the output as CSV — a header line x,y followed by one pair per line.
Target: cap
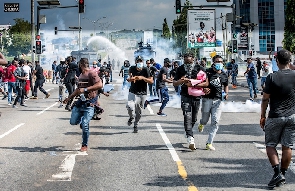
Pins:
x,y
152,60
138,58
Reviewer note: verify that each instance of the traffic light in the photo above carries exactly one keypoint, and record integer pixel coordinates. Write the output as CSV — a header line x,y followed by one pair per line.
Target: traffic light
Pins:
x,y
235,46
34,49
234,36
178,6
81,6
38,47
55,30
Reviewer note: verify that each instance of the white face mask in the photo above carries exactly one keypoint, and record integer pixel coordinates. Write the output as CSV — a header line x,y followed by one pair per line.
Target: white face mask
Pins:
x,y
139,65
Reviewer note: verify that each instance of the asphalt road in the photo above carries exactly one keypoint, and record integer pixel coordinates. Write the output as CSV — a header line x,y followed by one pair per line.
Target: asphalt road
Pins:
x,y
39,149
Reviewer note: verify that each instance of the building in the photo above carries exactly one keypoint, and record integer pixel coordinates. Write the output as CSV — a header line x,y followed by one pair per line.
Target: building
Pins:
x,y
264,20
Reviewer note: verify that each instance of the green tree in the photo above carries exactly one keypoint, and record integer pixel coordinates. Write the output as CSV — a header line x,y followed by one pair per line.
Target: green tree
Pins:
x,y
166,30
180,28
289,34
19,38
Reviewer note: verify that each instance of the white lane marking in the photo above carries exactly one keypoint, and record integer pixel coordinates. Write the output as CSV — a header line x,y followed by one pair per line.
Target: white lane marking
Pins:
x,y
46,109
11,130
262,148
67,166
49,89
150,109
168,144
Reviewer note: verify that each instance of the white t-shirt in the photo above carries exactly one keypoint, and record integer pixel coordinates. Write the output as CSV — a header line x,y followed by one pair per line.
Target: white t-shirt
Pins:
x,y
265,71
27,70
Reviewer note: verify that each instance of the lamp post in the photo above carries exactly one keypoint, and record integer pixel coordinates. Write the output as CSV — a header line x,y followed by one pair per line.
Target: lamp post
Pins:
x,y
94,23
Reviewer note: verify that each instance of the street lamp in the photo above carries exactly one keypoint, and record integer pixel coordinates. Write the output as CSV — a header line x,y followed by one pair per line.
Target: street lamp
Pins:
x,y
94,23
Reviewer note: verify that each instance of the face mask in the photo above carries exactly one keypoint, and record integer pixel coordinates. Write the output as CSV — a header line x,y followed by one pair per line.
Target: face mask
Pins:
x,y
139,65
218,66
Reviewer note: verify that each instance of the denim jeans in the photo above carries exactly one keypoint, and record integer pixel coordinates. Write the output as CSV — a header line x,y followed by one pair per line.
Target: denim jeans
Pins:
x,y
190,107
82,115
234,79
252,83
152,89
134,105
177,90
126,84
211,107
163,97
11,86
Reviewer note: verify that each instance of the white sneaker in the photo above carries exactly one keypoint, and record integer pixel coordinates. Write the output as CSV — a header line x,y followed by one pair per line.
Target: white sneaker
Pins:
x,y
210,147
191,142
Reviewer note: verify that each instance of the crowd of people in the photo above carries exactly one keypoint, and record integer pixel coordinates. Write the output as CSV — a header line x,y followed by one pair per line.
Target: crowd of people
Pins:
x,y
197,85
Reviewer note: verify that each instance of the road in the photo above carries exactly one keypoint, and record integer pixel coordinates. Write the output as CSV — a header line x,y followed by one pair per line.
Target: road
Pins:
x,y
39,149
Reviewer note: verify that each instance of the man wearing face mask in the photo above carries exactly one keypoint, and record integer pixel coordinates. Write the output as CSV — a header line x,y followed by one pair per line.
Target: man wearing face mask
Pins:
x,y
189,103
161,88
139,76
211,102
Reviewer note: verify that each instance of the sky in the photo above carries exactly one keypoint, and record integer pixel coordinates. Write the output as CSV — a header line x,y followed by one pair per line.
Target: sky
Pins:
x,y
120,14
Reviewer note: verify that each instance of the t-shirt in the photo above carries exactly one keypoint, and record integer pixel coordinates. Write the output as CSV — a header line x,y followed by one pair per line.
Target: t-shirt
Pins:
x,y
153,71
252,73
235,69
281,87
160,83
39,72
265,71
70,76
140,86
216,82
125,70
9,73
181,72
86,80
20,73
27,70
1,71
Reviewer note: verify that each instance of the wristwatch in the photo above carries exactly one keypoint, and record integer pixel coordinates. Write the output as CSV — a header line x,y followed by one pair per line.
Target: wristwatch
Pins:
x,y
85,90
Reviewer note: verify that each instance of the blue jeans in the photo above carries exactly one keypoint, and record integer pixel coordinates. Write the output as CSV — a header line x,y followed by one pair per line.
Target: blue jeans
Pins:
x,y
234,79
126,83
152,89
163,97
82,115
252,83
11,85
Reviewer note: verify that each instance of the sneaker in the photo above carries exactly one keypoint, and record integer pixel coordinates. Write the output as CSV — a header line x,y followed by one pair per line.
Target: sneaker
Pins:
x,y
210,147
130,121
161,114
135,130
191,142
60,106
68,108
5,96
251,99
145,104
255,96
9,104
201,128
34,97
83,148
24,105
276,180
47,96
14,106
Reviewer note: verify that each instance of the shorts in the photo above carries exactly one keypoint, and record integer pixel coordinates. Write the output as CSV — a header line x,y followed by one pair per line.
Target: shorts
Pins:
x,y
280,130
28,85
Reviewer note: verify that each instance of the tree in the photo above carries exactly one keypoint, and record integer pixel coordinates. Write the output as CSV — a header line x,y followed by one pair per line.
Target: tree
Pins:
x,y
180,28
20,35
289,34
166,30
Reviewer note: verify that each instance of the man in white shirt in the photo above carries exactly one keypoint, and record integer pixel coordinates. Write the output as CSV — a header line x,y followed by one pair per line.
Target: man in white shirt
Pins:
x,y
27,70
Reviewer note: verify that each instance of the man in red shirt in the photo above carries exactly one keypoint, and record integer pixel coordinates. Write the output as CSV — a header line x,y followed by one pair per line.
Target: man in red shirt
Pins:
x,y
11,80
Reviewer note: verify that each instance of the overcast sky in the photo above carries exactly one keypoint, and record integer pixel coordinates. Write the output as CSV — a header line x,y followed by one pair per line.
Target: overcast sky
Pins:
x,y
120,14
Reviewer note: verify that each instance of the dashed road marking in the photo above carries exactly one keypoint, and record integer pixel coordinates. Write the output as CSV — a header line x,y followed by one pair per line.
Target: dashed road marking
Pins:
x,y
181,170
67,166
46,109
11,130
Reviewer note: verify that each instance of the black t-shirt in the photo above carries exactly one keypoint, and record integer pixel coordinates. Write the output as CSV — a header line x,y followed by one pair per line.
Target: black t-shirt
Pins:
x,y
216,82
153,71
173,72
160,83
140,86
181,72
281,87
70,76
39,72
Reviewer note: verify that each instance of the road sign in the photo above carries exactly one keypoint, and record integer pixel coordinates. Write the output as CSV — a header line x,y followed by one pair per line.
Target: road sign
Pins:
x,y
11,7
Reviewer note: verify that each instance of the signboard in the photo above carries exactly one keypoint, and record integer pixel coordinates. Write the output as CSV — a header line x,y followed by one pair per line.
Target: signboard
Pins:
x,y
201,28
148,37
11,7
243,45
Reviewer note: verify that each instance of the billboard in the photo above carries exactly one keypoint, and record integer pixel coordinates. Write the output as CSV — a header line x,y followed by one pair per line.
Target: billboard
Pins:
x,y
243,45
201,28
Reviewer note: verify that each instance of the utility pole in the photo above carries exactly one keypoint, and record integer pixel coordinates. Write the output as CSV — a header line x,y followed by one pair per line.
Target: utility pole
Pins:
x,y
32,32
